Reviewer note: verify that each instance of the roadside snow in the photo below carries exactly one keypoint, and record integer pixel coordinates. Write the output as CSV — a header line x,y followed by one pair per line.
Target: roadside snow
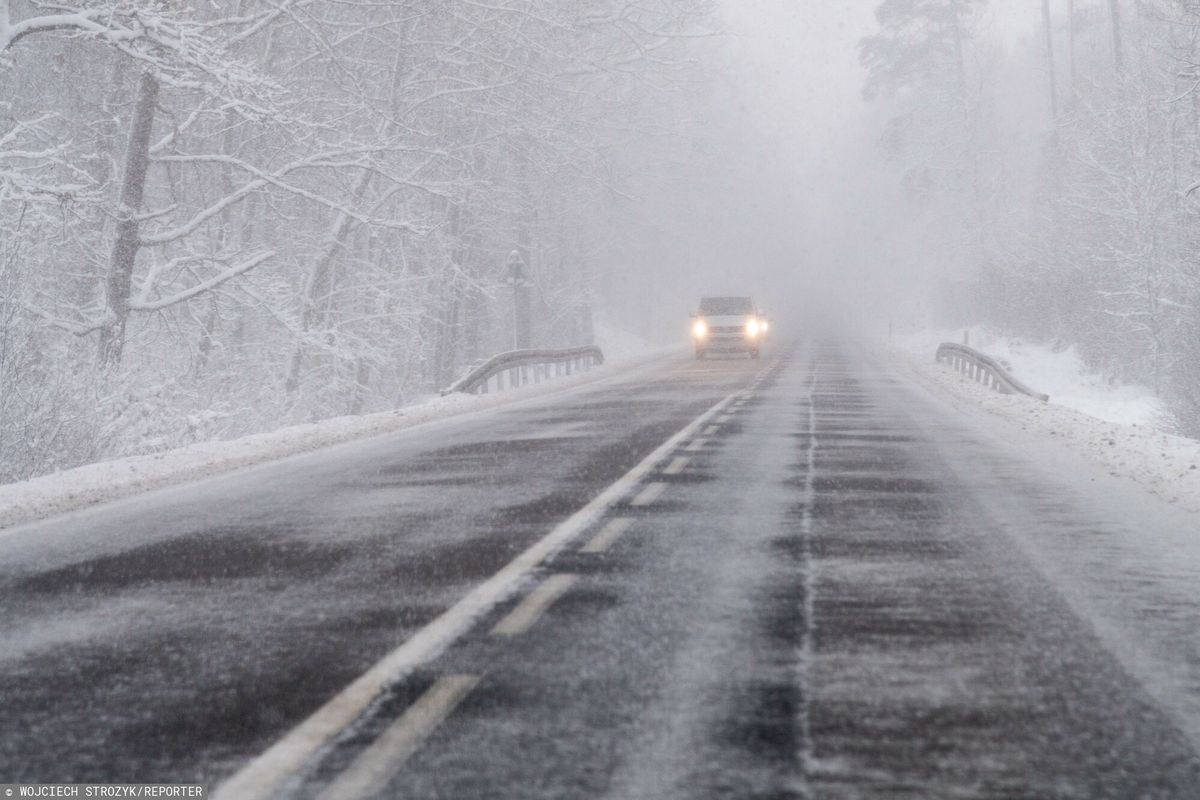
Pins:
x,y
74,489
1166,465
1061,374
618,343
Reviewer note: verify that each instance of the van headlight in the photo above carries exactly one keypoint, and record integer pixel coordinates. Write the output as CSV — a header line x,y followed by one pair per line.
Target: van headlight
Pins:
x,y
752,328
699,329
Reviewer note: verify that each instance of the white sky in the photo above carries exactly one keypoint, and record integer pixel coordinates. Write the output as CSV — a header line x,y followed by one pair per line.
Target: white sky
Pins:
x,y
800,206
795,71
837,224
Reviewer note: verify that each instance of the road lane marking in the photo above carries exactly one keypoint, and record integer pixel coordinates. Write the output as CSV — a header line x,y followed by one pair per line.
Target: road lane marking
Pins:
x,y
608,534
262,776
711,429
724,418
530,610
649,494
696,445
369,774
808,568
676,466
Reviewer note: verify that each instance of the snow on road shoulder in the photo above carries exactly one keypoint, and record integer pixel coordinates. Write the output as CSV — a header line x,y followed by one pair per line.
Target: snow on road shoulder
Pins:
x,y
74,489
1166,465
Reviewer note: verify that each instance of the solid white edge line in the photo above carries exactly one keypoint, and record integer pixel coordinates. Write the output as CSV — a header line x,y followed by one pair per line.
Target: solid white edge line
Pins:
x,y
369,774
535,604
262,777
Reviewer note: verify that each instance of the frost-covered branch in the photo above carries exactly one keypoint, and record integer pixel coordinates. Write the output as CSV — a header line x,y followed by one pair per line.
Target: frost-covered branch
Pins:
x,y
143,303
181,52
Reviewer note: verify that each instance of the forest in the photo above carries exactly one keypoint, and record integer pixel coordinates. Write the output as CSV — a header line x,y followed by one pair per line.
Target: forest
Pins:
x,y
221,218
1053,161
218,218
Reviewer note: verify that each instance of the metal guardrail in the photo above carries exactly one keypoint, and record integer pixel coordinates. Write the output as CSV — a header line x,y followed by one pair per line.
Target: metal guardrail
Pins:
x,y
984,369
524,367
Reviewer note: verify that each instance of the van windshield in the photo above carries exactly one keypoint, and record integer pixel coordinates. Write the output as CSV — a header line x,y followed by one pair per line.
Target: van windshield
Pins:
x,y
722,306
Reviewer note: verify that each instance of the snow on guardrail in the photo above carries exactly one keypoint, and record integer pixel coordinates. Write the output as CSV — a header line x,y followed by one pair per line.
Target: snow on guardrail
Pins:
x,y
984,369
524,367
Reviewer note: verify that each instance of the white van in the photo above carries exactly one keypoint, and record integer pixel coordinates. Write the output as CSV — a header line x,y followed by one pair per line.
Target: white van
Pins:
x,y
728,325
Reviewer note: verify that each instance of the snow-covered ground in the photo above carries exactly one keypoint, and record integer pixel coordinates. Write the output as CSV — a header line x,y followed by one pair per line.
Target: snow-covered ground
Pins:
x,y
1117,426
89,485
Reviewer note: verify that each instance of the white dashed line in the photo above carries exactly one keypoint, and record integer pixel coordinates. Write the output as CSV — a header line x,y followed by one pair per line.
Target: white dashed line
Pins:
x,y
711,429
676,466
262,777
530,610
369,774
724,418
607,535
649,494
696,445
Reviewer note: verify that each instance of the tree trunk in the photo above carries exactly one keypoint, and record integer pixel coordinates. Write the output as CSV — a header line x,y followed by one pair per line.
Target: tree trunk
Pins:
x,y
960,64
446,346
522,306
126,244
320,273
587,328
1071,77
1114,8
1048,24
207,336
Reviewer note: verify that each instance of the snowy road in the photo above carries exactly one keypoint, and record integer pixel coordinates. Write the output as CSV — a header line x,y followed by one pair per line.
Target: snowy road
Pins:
x,y
835,585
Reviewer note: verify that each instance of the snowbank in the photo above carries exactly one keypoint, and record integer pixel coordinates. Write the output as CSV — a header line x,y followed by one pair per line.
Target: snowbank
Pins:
x,y
73,489
1164,464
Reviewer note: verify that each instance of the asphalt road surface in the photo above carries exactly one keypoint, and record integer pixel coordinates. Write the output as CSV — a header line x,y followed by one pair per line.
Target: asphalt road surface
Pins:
x,y
796,577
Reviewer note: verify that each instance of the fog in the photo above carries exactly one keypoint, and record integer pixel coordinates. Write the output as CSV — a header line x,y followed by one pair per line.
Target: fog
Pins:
x,y
789,197
221,222
792,196
879,166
